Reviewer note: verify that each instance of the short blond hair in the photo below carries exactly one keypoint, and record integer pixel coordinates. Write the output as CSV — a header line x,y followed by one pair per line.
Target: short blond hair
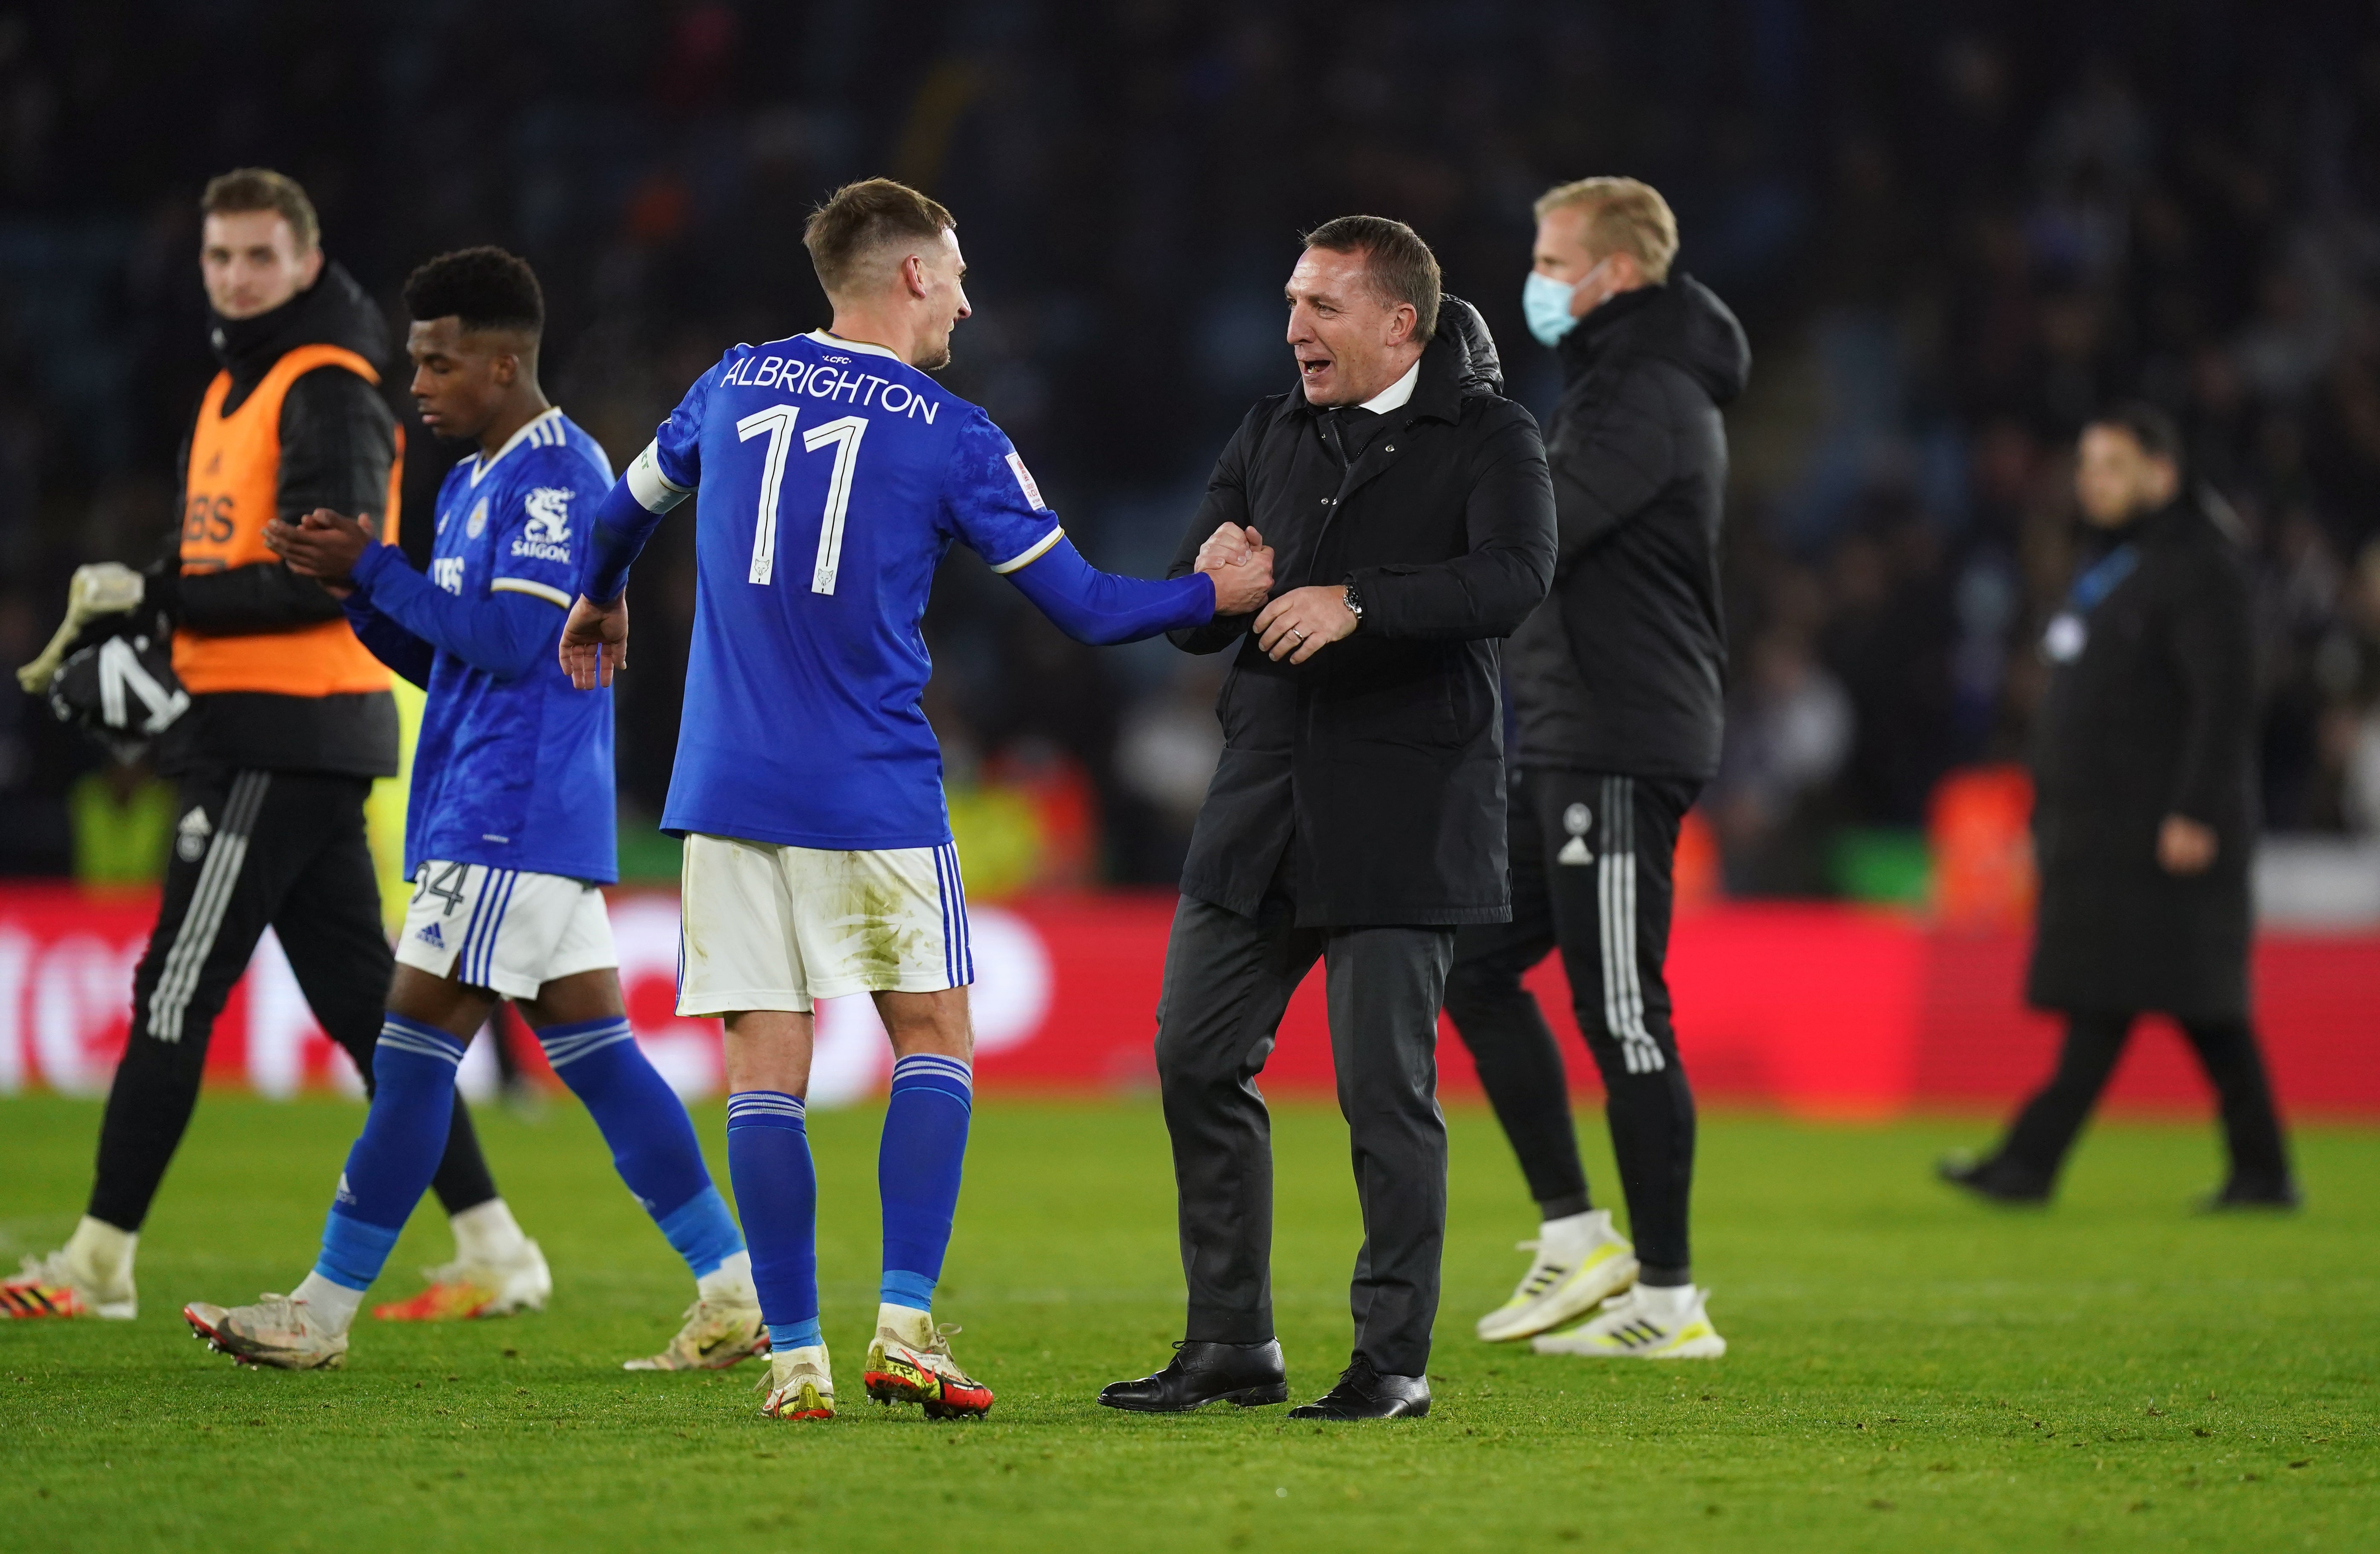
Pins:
x,y
1623,215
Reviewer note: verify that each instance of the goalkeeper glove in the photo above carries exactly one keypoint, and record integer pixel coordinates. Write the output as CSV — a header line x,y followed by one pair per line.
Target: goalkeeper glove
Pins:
x,y
103,588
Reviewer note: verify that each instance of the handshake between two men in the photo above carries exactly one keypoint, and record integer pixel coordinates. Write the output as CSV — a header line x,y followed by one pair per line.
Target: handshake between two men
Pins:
x,y
1298,624
326,546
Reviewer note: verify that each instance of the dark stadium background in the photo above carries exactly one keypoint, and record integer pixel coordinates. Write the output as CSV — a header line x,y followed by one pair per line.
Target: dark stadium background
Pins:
x,y
1951,230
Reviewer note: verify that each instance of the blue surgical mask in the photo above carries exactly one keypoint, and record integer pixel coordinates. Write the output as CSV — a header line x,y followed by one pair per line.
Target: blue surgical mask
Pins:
x,y
1545,302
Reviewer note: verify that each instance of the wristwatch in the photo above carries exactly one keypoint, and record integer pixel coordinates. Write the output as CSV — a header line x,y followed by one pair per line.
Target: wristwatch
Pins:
x,y
1354,602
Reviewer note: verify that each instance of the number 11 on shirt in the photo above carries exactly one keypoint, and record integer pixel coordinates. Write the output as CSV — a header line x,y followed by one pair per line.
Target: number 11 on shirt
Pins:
x,y
777,422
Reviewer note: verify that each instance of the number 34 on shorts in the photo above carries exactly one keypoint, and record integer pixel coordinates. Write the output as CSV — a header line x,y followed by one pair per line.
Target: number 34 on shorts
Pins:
x,y
503,929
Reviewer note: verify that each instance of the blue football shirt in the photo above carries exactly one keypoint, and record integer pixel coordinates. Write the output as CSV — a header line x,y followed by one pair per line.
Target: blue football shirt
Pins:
x,y
516,773
830,478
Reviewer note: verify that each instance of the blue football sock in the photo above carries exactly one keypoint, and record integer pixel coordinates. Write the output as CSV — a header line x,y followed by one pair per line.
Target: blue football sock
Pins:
x,y
918,1171
784,1336
776,1189
391,1165
653,1145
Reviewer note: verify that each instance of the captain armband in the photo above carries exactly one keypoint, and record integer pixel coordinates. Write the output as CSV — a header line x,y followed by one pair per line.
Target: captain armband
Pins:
x,y
654,491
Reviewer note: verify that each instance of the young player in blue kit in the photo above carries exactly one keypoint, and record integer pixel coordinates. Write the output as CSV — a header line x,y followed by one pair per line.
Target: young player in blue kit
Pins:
x,y
832,476
508,833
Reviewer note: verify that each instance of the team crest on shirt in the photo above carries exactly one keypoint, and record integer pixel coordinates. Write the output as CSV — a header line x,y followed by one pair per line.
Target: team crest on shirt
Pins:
x,y
544,536
549,514
478,524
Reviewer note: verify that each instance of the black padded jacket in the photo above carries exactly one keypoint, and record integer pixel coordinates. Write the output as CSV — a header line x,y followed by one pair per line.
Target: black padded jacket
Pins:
x,y
1623,668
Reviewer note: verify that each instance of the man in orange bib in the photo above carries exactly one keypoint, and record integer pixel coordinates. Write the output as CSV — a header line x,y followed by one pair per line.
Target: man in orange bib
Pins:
x,y
289,721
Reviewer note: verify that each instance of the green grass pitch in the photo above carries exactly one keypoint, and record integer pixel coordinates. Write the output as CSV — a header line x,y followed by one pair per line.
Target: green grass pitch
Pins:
x,y
1909,1370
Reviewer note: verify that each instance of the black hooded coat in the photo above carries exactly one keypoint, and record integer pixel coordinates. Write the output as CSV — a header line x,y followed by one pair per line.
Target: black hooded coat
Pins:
x,y
1383,755
1623,670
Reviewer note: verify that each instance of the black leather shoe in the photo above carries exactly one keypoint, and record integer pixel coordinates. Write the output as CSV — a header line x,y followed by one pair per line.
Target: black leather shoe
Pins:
x,y
1250,1375
2252,1194
1992,1178
1364,1394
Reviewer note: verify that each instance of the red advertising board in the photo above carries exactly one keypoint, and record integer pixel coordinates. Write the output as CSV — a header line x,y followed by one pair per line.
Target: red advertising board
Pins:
x,y
1817,1009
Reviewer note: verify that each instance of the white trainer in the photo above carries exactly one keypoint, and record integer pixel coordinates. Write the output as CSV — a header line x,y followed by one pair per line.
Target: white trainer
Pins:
x,y
276,1331
1580,1262
717,1333
1640,1325
460,1289
800,1385
58,1285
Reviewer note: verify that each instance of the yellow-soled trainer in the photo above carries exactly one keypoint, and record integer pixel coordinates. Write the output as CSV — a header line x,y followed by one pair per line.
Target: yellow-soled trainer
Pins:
x,y
1642,1325
1580,1263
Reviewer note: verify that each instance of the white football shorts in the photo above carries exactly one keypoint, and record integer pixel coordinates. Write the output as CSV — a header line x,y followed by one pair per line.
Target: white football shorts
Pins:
x,y
770,927
503,929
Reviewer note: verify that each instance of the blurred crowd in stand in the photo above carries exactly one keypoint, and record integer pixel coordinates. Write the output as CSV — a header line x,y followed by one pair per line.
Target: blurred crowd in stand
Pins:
x,y
1953,232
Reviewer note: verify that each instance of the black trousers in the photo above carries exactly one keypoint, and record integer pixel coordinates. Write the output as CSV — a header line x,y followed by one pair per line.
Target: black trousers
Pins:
x,y
1228,981
2044,1129
1591,860
254,848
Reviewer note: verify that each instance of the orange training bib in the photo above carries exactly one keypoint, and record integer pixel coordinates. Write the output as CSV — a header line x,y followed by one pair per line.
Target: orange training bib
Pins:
x,y
232,492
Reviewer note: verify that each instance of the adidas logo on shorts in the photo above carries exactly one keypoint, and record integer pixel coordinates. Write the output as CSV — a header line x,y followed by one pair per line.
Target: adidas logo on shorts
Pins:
x,y
431,937
190,836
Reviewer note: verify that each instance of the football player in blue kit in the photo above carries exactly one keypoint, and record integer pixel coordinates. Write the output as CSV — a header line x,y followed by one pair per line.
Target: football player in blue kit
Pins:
x,y
508,833
832,475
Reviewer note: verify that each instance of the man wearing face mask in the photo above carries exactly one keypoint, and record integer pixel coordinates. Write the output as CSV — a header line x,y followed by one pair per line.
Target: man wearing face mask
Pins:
x,y
1617,682
1356,816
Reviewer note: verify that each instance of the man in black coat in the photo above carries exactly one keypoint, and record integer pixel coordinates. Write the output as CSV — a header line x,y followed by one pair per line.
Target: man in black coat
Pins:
x,y
1356,815
1618,681
2143,815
